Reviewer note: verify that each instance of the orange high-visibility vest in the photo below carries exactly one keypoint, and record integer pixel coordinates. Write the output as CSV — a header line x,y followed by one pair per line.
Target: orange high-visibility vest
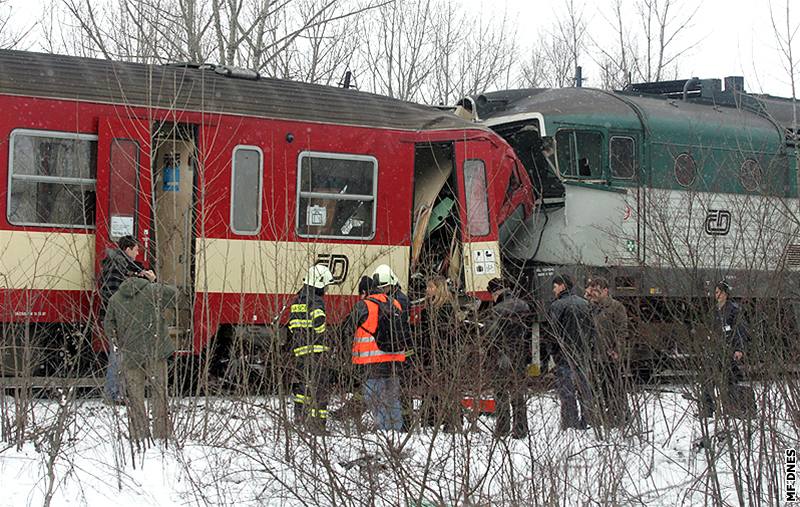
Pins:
x,y
365,348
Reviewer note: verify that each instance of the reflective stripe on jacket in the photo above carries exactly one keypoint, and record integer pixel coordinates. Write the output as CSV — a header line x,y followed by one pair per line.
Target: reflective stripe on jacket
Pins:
x,y
307,323
365,348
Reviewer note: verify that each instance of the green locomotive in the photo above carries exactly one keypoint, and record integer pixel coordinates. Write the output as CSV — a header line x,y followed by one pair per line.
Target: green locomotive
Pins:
x,y
664,189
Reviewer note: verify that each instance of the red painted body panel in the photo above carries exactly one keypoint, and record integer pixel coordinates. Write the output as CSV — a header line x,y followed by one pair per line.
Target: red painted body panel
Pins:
x,y
217,136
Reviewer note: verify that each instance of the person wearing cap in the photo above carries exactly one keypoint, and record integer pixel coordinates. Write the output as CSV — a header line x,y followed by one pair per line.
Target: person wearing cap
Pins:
x,y
511,345
311,350
730,335
376,348
571,327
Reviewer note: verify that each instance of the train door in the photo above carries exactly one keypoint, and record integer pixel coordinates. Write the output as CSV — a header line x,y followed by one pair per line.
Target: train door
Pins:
x,y
122,188
174,157
481,249
624,153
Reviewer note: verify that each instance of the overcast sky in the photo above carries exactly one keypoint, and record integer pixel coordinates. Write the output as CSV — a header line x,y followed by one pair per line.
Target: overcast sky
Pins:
x,y
727,37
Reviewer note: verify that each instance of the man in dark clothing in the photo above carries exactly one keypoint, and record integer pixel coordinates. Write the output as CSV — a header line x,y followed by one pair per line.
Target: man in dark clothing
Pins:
x,y
727,347
134,321
118,265
611,324
312,351
507,329
377,340
571,326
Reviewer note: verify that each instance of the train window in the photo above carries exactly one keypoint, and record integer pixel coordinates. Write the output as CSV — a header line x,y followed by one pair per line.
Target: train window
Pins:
x,y
123,187
685,169
246,181
622,157
477,197
52,179
579,154
750,175
336,195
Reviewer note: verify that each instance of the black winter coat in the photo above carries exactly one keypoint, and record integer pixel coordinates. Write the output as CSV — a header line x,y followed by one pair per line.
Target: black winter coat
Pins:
x,y
307,318
115,268
729,323
508,329
571,324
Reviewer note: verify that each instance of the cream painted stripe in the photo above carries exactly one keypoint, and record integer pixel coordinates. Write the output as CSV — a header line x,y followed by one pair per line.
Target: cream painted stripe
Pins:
x,y
46,260
268,267
481,264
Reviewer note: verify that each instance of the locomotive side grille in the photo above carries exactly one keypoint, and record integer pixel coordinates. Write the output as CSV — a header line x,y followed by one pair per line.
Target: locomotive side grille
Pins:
x,y
792,256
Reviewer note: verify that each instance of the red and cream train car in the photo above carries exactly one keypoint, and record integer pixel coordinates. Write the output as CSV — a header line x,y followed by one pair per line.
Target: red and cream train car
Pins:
x,y
234,185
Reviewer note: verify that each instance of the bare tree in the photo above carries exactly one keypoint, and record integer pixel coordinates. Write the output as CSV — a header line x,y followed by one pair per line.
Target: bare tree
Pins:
x,y
11,34
397,48
471,55
786,36
567,42
304,39
533,69
652,48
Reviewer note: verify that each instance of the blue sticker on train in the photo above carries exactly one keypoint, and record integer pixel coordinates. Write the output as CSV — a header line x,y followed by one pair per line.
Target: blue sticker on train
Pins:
x,y
172,179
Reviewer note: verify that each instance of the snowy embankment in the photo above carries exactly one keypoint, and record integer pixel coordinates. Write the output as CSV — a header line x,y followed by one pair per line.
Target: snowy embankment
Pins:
x,y
236,452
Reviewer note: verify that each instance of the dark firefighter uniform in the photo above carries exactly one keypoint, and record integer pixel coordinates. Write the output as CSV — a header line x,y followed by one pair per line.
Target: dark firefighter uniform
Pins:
x,y
312,356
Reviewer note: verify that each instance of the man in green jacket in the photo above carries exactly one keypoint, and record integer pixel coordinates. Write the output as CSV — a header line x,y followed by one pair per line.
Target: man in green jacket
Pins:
x,y
135,322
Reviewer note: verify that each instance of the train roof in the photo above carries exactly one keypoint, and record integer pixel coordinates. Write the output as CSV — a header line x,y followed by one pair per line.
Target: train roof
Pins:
x,y
658,114
562,101
207,89
565,102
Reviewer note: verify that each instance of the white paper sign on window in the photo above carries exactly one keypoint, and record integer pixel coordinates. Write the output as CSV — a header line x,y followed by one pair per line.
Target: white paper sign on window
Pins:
x,y
121,226
316,216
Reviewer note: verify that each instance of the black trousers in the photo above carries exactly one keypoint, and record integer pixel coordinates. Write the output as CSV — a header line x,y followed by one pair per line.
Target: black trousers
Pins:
x,y
723,378
510,389
311,390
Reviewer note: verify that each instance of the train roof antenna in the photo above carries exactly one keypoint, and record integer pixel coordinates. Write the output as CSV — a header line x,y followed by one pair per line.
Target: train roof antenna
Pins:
x,y
348,81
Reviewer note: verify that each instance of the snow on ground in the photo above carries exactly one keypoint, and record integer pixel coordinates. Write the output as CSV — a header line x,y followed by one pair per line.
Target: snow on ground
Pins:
x,y
235,452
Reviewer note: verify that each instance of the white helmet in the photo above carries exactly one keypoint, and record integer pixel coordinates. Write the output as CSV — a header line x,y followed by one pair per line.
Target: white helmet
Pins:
x,y
383,276
318,276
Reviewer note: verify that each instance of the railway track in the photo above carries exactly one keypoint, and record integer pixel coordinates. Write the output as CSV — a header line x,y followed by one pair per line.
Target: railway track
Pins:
x,y
660,378
12,383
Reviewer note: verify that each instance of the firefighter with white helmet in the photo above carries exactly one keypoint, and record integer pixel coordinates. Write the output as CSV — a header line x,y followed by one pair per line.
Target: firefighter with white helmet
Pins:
x,y
384,276
312,351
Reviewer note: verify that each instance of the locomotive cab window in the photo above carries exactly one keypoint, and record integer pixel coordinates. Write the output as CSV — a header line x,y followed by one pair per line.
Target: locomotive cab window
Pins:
x,y
579,154
246,181
622,157
52,179
336,195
